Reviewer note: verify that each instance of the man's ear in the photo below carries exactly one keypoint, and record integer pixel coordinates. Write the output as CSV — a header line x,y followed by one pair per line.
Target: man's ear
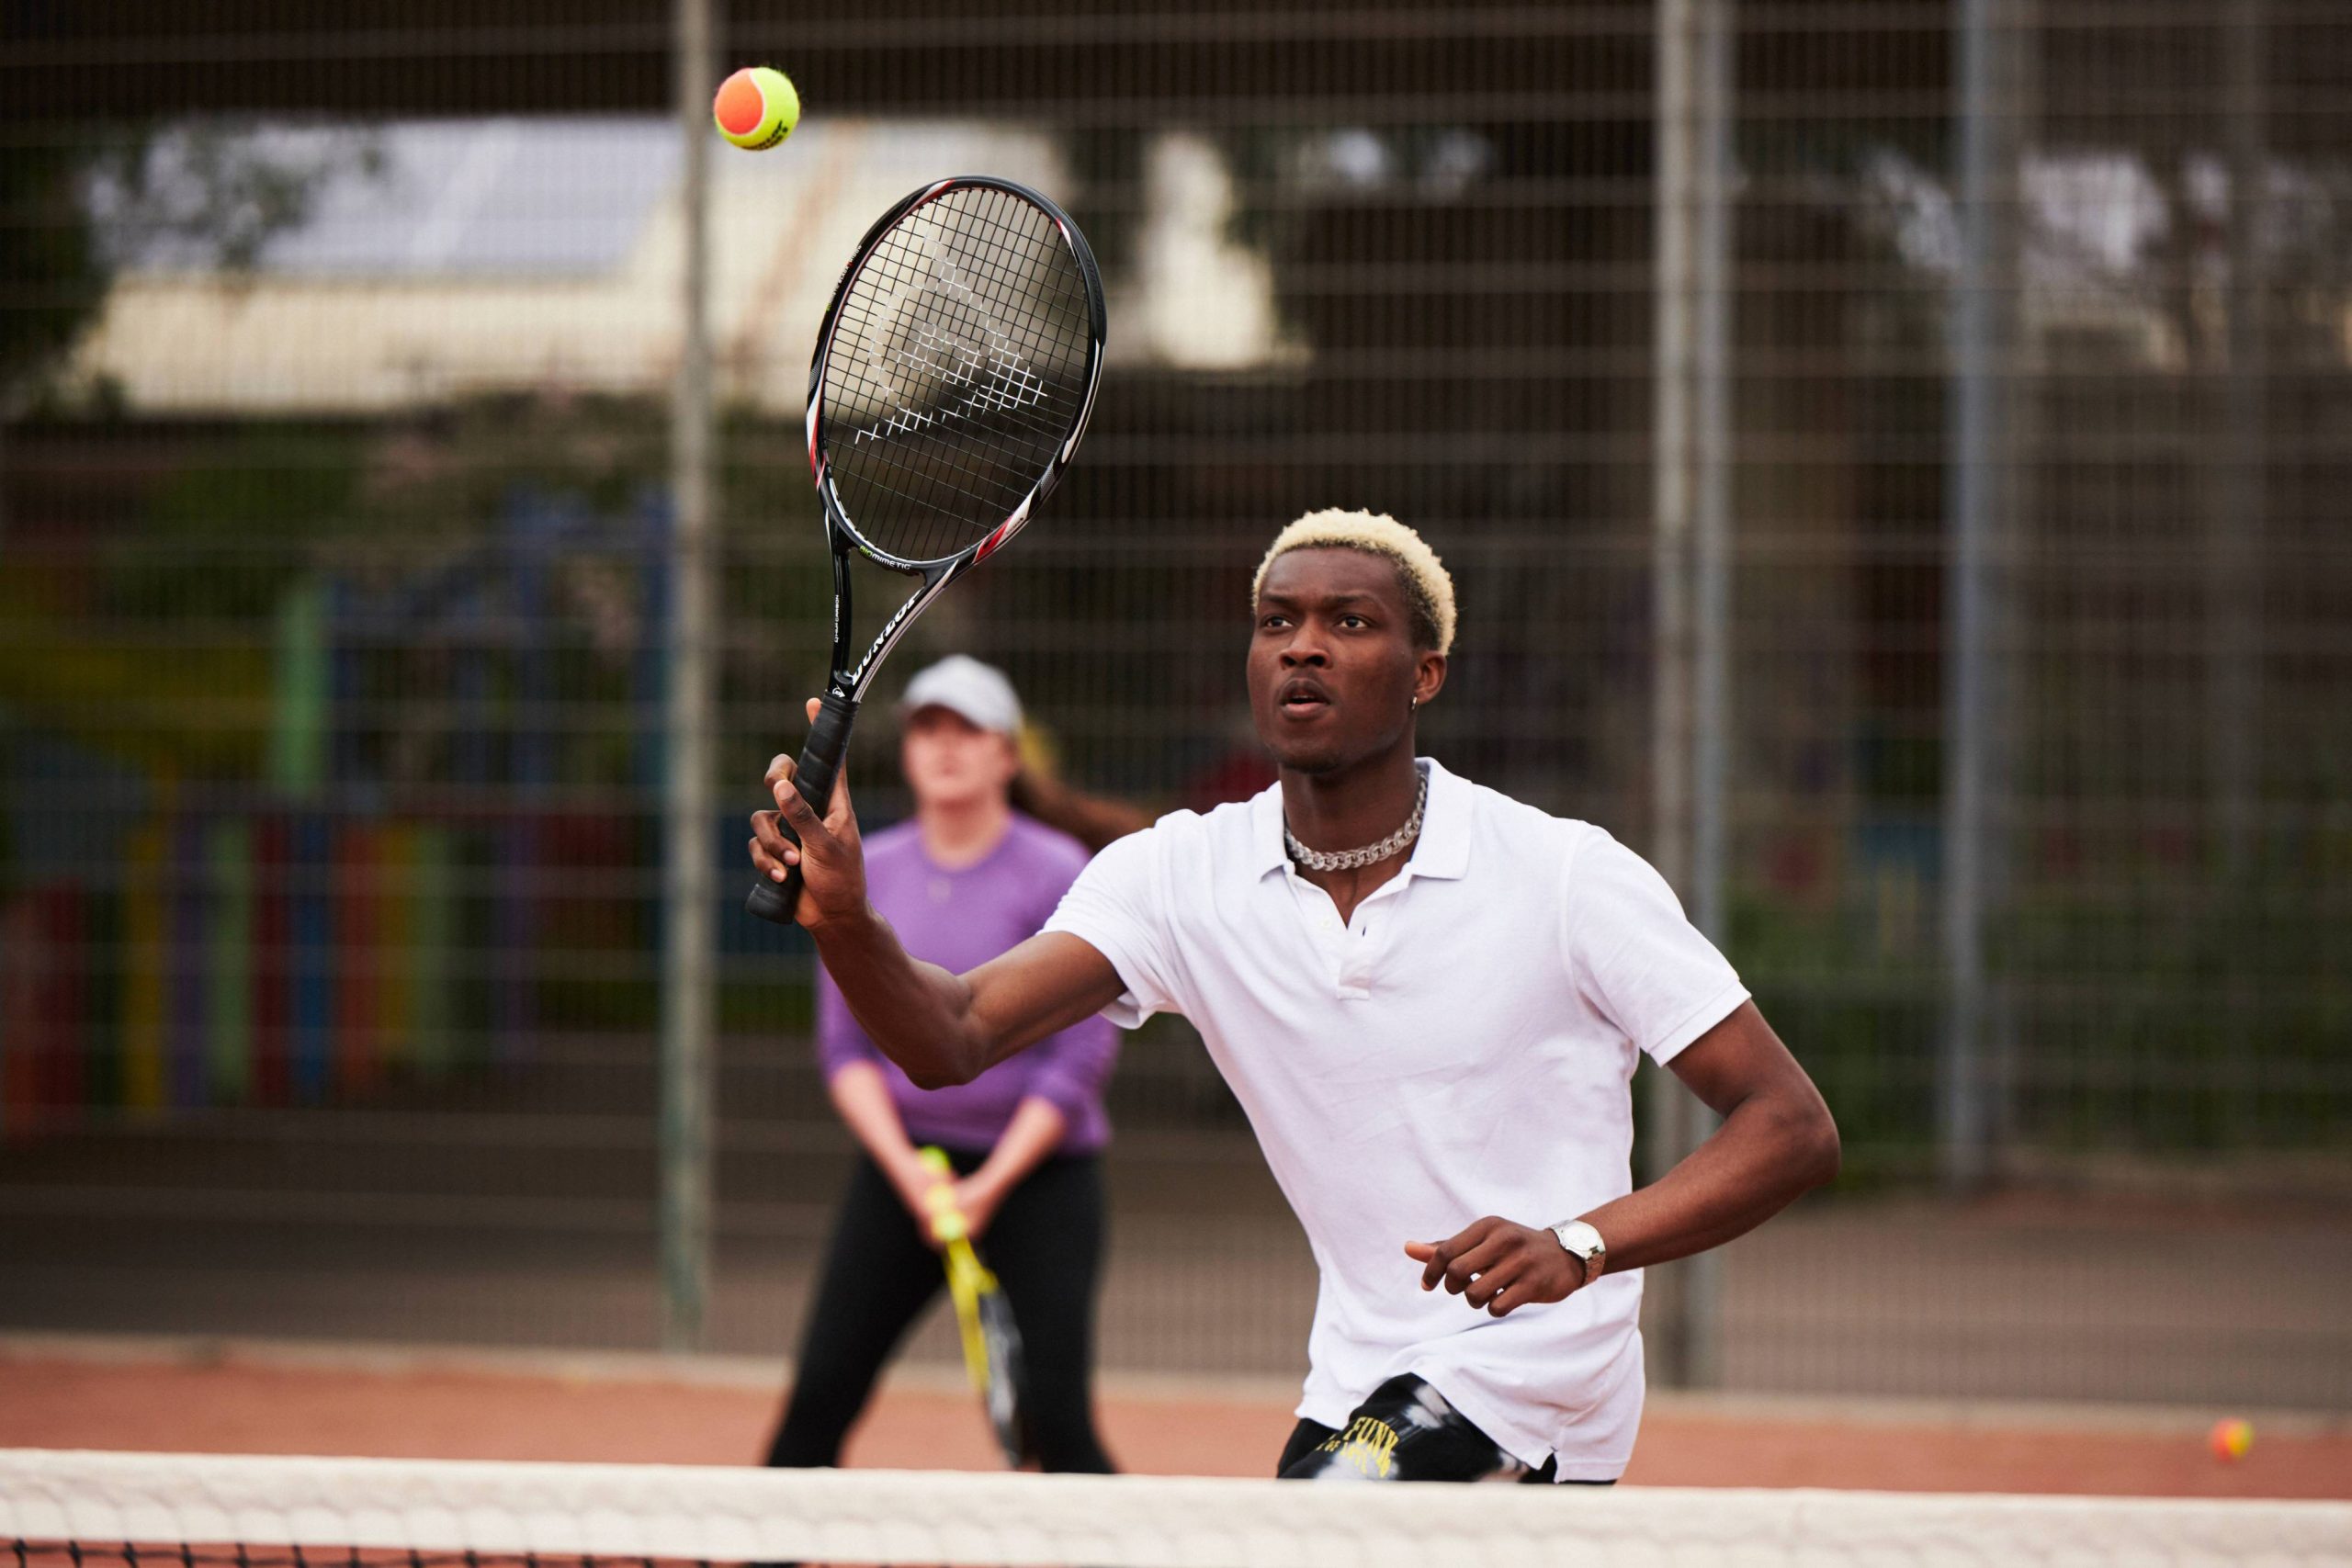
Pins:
x,y
1428,678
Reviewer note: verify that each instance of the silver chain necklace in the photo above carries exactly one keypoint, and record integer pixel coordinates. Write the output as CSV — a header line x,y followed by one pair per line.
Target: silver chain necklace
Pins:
x,y
1370,854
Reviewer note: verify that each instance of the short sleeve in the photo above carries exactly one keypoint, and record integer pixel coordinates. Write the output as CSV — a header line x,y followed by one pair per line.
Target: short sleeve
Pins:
x,y
1059,861
1115,907
1633,955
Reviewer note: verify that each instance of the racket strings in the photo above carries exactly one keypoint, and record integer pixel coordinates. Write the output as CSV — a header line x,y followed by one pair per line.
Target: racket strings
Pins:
x,y
957,370
1009,252
963,460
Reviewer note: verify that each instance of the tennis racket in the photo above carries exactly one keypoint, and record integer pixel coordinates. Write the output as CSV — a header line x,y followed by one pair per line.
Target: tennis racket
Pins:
x,y
955,372
991,1341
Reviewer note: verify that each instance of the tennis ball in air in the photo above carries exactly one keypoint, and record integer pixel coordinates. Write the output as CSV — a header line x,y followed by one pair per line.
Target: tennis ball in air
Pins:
x,y
2229,1440
756,108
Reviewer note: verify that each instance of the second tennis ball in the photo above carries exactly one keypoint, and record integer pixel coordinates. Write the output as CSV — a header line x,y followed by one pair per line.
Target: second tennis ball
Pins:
x,y
2231,1440
756,108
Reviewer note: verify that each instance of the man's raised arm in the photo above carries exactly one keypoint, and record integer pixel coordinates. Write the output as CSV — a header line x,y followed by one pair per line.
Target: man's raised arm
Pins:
x,y
941,1028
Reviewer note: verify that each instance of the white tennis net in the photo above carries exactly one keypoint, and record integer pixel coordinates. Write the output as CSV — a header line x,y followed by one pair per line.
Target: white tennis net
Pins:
x,y
61,1508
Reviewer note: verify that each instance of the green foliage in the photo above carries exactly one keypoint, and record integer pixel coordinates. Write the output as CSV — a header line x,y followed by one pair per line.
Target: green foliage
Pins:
x,y
205,194
446,475
2166,1017
221,538
776,594
50,267
1102,160
212,194
2128,1016
1860,1017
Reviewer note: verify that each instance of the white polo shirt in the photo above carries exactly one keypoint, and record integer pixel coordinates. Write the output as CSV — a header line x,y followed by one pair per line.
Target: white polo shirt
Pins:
x,y
1464,1047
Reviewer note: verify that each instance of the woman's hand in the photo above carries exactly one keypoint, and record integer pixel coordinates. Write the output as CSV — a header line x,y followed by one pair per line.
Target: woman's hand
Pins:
x,y
980,1195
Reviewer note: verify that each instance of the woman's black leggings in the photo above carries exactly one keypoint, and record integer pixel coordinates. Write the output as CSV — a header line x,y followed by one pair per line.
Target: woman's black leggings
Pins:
x,y
1045,1246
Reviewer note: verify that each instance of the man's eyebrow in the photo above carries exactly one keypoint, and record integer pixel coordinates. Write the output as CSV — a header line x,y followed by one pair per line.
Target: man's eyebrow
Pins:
x,y
1344,596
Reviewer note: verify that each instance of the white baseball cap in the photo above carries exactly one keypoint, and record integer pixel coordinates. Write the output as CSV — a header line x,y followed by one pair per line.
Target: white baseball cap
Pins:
x,y
964,685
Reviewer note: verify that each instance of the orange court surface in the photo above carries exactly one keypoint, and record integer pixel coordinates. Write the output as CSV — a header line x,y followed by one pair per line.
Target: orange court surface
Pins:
x,y
68,1393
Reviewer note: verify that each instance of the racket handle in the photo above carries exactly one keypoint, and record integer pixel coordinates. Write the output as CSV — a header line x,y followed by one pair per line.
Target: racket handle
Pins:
x,y
946,1219
821,762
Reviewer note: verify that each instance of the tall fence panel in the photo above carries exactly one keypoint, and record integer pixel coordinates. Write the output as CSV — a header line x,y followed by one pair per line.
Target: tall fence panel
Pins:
x,y
335,618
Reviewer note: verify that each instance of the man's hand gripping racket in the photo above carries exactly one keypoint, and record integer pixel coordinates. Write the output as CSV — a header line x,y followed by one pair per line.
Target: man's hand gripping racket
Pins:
x,y
991,1342
954,374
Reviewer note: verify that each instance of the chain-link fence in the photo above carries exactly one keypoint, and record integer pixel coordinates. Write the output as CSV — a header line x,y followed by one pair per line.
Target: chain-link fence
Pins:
x,y
1893,458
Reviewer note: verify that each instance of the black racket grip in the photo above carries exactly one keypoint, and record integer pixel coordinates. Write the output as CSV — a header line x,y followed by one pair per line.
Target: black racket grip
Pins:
x,y
820,760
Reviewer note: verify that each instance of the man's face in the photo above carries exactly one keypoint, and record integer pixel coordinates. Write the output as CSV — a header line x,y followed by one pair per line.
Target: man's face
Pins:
x,y
950,761
1333,672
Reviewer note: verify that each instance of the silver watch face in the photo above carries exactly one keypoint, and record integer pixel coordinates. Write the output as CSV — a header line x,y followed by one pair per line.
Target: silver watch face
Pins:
x,y
1579,1238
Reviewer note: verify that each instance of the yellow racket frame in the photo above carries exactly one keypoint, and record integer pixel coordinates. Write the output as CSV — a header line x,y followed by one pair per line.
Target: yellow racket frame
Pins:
x,y
968,1278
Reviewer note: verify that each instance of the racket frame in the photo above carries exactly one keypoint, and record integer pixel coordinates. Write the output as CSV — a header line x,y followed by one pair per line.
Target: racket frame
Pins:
x,y
846,683
993,1356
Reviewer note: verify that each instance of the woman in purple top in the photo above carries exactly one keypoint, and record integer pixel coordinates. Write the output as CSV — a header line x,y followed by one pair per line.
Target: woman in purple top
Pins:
x,y
968,878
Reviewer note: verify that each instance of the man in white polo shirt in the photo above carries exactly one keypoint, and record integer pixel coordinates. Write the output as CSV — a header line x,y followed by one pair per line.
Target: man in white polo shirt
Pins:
x,y
1430,1000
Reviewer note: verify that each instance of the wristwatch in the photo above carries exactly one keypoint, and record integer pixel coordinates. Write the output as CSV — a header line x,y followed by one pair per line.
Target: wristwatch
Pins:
x,y
1585,1245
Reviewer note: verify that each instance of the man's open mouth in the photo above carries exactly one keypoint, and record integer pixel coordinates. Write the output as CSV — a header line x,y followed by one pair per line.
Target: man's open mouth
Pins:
x,y
1301,697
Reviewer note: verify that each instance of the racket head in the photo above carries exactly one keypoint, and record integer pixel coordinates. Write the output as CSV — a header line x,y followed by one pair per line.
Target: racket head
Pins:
x,y
955,372
1002,1394
993,1356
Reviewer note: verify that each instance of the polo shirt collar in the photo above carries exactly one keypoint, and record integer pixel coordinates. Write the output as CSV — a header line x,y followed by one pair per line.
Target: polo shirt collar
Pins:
x,y
1442,851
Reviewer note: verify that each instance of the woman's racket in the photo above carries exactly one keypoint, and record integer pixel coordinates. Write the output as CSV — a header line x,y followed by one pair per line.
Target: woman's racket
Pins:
x,y
955,372
983,1317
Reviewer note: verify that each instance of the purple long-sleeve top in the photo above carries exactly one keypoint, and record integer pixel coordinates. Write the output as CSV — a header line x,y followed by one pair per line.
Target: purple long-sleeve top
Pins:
x,y
960,919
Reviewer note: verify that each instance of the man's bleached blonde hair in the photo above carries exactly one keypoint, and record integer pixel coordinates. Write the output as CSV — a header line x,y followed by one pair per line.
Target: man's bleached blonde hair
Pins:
x,y
1429,591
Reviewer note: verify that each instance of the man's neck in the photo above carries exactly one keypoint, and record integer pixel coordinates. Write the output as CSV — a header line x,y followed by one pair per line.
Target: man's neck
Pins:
x,y
964,833
1353,807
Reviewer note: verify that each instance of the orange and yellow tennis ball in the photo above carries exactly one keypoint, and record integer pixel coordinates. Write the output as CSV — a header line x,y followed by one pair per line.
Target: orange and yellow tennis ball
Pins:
x,y
2229,1440
756,108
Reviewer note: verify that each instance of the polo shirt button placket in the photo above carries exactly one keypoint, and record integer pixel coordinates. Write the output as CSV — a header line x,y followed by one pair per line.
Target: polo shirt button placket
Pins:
x,y
1362,956
1355,959
1324,930
1353,979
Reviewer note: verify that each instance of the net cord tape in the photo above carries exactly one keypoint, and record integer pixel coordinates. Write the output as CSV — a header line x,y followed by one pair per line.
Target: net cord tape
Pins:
x,y
715,1513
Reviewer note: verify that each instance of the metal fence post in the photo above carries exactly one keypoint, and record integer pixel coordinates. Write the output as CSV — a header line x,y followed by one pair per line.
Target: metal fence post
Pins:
x,y
1691,590
687,880
2233,462
1978,351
